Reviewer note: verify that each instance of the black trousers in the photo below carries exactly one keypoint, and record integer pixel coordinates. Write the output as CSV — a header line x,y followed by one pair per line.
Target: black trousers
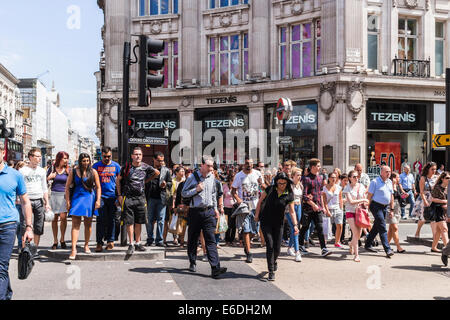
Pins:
x,y
317,218
231,232
286,231
272,233
202,221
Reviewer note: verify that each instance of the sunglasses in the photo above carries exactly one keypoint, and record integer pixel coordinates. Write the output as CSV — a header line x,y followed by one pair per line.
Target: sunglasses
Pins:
x,y
107,156
354,177
281,183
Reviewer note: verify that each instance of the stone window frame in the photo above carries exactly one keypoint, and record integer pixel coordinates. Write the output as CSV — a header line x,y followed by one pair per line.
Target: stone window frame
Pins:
x,y
440,39
216,53
146,6
407,37
374,32
315,40
169,62
218,3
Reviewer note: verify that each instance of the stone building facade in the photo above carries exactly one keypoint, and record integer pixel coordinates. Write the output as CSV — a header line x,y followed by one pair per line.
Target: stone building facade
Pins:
x,y
365,76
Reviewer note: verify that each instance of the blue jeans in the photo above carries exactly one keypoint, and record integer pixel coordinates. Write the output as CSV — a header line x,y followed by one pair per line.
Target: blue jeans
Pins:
x,y
106,226
411,203
293,239
7,238
156,212
310,230
379,225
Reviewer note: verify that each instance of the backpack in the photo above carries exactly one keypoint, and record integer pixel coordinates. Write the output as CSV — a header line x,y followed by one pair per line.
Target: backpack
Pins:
x,y
187,201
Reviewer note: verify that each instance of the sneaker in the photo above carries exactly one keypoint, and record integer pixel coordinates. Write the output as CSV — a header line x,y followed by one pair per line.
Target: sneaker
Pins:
x,y
130,250
249,258
192,268
370,249
291,252
215,274
298,257
390,253
284,243
205,258
404,218
139,247
338,245
303,250
325,252
444,259
271,276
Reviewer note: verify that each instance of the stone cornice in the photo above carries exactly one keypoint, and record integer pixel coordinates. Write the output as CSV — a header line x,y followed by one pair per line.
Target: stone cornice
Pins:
x,y
8,74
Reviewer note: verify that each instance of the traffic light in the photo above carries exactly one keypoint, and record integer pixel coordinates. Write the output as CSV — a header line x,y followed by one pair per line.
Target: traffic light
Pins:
x,y
5,132
131,127
148,64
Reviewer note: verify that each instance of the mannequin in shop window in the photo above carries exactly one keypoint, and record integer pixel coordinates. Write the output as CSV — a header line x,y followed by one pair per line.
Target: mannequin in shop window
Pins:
x,y
417,167
405,163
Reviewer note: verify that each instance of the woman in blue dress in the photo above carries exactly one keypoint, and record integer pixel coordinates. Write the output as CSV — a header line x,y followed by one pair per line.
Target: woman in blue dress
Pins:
x,y
84,202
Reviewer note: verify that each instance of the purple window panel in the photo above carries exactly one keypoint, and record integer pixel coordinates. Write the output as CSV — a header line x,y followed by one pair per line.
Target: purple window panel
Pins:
x,y
175,71
175,48
212,68
234,42
235,68
295,61
245,63
283,55
318,29
245,41
212,44
307,59
166,73
318,56
283,35
223,43
307,31
166,48
296,33
224,69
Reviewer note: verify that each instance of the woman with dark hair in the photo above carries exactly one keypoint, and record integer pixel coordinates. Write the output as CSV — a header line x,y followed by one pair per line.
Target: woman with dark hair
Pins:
x,y
84,202
276,198
228,202
439,199
59,173
427,181
394,221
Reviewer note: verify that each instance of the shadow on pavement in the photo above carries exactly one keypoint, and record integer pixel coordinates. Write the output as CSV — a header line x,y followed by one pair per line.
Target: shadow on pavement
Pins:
x,y
432,268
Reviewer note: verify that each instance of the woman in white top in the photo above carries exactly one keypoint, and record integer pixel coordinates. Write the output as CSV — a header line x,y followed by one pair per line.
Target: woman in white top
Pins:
x,y
355,192
297,188
332,201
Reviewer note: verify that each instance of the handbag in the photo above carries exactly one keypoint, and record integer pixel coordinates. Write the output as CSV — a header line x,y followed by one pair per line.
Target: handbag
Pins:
x,y
429,212
49,216
25,260
173,224
362,219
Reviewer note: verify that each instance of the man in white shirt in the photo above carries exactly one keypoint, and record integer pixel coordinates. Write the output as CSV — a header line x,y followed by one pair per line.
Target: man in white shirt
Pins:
x,y
363,178
246,188
36,184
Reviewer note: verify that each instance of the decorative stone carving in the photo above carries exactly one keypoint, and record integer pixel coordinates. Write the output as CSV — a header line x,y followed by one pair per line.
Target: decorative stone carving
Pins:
x,y
411,3
225,20
255,97
327,98
111,109
296,7
187,101
355,98
394,3
155,27
427,5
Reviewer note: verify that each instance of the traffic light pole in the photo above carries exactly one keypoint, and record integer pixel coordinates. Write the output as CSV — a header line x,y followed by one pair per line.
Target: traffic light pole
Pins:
x,y
125,102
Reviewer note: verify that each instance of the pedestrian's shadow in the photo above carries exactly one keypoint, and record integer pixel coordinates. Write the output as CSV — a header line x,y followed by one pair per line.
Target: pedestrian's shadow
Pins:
x,y
183,271
432,268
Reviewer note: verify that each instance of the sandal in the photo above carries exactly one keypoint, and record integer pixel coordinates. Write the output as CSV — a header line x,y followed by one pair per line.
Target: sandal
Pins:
x,y
73,256
63,245
87,250
54,246
356,259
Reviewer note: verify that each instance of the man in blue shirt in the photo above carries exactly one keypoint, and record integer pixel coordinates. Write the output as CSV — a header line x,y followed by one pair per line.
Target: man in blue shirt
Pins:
x,y
12,184
381,198
108,171
407,185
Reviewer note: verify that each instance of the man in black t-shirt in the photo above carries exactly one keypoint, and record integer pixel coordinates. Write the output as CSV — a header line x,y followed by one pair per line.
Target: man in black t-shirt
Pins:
x,y
131,189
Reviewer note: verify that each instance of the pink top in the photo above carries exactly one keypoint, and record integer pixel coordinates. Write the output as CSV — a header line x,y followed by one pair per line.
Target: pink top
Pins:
x,y
228,199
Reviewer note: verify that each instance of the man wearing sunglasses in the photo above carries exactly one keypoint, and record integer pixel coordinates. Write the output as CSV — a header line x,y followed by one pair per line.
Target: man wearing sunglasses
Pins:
x,y
108,171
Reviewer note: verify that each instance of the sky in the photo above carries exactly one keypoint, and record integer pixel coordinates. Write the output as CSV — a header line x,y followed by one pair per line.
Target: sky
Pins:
x,y
63,37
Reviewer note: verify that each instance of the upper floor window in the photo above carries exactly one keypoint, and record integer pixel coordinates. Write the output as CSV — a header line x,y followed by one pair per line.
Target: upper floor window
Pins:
x,y
157,7
228,59
407,39
170,70
225,3
373,34
439,48
300,50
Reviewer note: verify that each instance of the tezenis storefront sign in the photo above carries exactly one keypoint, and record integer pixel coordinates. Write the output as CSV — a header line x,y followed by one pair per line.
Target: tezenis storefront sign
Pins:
x,y
397,116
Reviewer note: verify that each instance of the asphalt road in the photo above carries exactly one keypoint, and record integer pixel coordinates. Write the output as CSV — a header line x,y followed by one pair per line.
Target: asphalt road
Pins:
x,y
417,274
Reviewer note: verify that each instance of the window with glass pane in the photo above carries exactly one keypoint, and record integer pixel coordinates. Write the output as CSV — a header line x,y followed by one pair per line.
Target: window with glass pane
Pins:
x,y
283,53
407,39
372,42
439,48
301,51
225,3
163,6
142,7
170,70
318,44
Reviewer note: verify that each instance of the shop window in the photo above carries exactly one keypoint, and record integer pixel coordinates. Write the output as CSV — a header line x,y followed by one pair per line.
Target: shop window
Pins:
x,y
407,39
373,33
300,50
229,56
170,70
439,48
225,3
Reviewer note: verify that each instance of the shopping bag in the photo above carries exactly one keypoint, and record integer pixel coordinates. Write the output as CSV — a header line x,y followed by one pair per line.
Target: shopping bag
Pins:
x,y
222,225
181,223
327,228
362,217
173,224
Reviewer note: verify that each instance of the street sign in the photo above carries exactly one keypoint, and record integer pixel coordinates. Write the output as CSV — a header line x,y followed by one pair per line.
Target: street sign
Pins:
x,y
284,109
441,140
285,140
150,140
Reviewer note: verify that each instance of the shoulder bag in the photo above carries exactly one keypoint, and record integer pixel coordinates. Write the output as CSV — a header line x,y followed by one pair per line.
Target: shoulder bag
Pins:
x,y
361,214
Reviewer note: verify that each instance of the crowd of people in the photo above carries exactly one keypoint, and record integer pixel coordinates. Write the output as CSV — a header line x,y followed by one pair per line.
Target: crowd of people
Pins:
x,y
284,206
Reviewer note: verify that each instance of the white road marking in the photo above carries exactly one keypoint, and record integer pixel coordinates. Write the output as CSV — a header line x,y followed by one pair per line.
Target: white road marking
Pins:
x,y
169,281
177,293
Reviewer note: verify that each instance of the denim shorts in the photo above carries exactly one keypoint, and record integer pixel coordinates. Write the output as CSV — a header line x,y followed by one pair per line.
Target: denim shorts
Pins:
x,y
337,216
249,225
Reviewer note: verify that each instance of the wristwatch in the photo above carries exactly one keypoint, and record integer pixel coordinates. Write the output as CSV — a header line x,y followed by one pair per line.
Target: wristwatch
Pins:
x,y
28,225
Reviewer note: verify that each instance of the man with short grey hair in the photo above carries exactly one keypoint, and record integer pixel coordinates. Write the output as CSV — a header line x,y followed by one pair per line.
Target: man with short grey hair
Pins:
x,y
363,177
407,185
200,188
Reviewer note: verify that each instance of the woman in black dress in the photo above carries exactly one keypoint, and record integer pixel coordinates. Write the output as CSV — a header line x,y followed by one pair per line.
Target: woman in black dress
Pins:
x,y
276,198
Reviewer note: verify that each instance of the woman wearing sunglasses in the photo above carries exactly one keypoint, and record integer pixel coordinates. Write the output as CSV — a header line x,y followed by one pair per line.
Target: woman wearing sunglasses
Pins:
x,y
356,195
439,199
276,198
